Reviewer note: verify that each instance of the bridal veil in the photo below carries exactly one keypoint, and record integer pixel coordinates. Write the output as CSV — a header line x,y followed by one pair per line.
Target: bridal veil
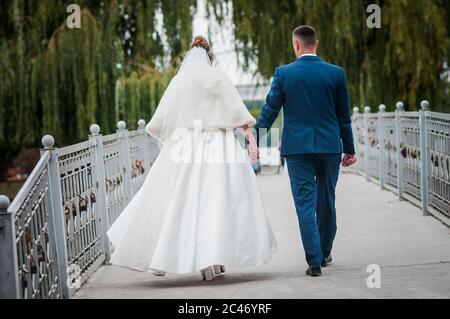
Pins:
x,y
198,92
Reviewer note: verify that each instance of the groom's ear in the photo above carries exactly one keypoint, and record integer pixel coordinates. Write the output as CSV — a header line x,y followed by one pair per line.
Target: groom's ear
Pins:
x,y
295,43
317,44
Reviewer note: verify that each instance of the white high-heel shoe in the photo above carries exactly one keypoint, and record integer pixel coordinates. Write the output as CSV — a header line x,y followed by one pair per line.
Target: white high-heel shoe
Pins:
x,y
208,273
219,269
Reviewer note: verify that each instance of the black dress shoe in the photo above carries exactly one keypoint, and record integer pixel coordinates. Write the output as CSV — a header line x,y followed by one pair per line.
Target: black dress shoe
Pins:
x,y
313,271
326,261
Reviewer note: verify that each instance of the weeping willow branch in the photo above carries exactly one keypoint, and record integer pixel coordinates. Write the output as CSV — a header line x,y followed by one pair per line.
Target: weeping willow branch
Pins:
x,y
404,60
55,80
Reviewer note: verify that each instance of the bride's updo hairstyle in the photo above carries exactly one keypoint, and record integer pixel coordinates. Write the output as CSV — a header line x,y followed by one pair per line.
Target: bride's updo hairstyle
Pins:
x,y
201,42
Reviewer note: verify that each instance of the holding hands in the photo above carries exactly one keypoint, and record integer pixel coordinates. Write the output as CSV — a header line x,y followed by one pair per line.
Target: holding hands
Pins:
x,y
253,151
252,148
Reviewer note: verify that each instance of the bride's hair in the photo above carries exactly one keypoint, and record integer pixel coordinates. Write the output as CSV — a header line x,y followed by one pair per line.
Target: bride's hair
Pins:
x,y
201,42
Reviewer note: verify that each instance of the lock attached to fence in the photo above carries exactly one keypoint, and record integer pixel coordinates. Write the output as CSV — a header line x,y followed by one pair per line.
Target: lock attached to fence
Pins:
x,y
23,273
33,266
40,252
83,203
93,199
67,212
74,209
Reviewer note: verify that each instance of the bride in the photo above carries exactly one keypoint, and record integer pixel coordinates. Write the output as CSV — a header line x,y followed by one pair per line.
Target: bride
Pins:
x,y
200,207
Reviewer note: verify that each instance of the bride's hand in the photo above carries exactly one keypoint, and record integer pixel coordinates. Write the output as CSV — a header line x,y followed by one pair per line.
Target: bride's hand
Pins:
x,y
252,148
253,151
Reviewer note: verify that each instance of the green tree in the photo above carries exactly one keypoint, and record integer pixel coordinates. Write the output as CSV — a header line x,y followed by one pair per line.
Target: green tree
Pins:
x,y
56,80
406,59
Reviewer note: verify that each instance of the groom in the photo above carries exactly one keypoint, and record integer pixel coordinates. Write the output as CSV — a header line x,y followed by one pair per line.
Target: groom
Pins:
x,y
317,130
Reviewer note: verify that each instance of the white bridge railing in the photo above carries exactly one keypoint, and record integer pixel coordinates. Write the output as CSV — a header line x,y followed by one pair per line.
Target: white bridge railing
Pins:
x,y
407,153
53,235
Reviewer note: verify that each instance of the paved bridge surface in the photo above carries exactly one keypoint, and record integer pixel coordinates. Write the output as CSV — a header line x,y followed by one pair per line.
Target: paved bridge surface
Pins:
x,y
412,250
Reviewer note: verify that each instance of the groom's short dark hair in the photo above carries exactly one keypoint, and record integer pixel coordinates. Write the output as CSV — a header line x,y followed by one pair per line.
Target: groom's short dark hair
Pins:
x,y
306,34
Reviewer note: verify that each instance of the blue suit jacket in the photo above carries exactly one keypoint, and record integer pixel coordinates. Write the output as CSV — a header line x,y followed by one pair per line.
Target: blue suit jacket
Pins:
x,y
316,107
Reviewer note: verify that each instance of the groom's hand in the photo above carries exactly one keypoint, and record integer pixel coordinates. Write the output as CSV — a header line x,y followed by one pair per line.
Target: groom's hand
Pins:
x,y
348,160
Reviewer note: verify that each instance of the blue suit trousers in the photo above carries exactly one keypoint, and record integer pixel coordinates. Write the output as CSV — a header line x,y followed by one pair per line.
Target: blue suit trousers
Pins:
x,y
313,179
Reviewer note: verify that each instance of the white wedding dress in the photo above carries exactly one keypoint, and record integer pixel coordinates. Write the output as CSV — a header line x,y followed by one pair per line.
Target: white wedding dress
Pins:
x,y
200,204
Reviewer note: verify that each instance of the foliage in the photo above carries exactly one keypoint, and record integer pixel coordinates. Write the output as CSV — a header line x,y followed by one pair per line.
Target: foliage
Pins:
x,y
407,59
56,80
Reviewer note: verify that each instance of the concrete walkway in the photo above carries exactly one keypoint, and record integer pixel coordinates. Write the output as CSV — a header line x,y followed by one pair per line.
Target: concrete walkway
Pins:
x,y
413,252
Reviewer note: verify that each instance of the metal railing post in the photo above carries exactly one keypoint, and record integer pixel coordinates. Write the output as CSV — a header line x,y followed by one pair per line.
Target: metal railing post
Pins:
x,y
145,144
101,190
126,160
424,160
366,141
9,276
355,117
56,216
381,137
399,109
